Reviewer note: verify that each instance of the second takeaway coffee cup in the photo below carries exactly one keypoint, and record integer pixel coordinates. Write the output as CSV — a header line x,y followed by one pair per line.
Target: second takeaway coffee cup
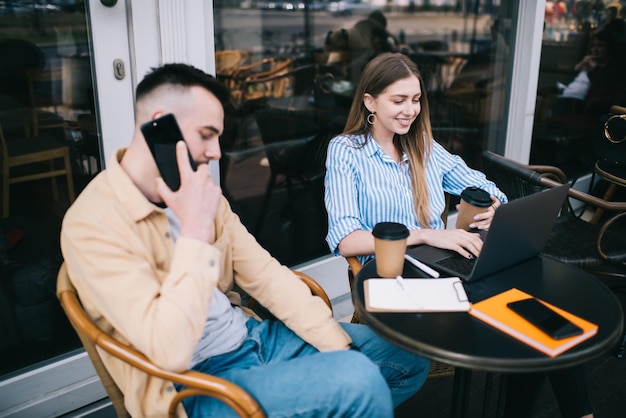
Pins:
x,y
390,247
473,201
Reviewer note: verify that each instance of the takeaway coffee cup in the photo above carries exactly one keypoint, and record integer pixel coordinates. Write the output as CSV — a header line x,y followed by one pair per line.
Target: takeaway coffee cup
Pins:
x,y
390,247
473,201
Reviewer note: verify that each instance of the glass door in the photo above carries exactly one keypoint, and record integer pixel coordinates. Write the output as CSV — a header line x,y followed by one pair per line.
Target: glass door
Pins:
x,y
50,148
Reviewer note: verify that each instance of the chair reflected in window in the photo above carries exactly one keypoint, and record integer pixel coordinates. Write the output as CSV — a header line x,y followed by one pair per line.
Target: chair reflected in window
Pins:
x,y
45,97
253,82
28,157
308,87
227,61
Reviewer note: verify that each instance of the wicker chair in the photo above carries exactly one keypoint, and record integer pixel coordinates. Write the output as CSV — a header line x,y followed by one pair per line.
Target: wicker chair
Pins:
x,y
195,383
573,240
611,151
597,246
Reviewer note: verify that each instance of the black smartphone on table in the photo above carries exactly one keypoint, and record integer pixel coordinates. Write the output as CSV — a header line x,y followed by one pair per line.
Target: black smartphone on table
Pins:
x,y
161,135
544,318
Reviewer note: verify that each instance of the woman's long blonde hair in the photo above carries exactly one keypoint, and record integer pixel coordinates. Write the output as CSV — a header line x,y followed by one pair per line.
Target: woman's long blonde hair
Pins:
x,y
382,71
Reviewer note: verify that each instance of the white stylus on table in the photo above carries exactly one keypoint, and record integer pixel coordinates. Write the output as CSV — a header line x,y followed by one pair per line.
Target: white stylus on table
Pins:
x,y
421,266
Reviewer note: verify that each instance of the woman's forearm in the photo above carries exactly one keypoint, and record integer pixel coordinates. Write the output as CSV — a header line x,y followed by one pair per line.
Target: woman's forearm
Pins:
x,y
361,242
357,242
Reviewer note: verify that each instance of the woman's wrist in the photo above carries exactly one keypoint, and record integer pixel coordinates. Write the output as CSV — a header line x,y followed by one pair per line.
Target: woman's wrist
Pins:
x,y
416,237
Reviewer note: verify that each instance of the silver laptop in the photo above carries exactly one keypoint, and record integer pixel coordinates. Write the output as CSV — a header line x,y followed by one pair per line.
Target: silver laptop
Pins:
x,y
519,230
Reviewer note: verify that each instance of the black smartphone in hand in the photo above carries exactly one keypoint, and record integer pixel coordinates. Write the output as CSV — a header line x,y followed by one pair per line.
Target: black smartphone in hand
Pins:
x,y
544,318
161,135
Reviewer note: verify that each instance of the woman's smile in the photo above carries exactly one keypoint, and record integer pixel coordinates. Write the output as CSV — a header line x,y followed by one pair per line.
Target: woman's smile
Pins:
x,y
406,122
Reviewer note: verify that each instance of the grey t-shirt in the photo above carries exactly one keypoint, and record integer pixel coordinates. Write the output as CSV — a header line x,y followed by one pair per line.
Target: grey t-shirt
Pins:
x,y
225,328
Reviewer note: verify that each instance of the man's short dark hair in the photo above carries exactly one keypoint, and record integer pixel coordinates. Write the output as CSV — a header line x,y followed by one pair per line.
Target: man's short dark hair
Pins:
x,y
182,75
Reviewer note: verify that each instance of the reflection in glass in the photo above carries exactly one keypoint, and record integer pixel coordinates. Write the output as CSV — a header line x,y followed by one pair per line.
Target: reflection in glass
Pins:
x,y
581,76
293,89
50,148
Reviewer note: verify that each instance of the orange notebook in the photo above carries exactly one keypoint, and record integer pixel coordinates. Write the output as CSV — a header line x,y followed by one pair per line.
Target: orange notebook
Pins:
x,y
494,311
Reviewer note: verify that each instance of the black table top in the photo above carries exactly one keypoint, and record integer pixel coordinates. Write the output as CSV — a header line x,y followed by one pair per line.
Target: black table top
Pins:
x,y
458,339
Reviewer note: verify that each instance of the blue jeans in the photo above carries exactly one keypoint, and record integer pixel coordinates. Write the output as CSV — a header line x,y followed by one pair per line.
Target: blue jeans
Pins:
x,y
290,378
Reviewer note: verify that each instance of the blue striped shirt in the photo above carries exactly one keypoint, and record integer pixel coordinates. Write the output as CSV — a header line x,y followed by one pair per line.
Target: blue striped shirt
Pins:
x,y
365,186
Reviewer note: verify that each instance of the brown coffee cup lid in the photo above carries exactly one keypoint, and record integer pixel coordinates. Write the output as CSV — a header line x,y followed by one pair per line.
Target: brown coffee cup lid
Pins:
x,y
476,197
390,231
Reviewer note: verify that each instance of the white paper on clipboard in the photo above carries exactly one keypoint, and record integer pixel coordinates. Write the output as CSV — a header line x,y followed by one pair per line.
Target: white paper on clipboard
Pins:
x,y
419,295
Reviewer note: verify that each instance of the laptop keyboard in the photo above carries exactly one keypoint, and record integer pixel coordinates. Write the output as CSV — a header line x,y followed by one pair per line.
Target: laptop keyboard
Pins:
x,y
458,263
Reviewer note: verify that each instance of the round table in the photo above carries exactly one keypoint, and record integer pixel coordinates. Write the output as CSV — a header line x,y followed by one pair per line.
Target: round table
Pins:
x,y
458,339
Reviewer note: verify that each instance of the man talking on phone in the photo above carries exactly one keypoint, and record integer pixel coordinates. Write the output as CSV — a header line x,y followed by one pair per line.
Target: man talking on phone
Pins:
x,y
162,279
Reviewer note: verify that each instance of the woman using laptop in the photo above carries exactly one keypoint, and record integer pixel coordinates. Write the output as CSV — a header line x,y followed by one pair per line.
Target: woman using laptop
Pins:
x,y
386,166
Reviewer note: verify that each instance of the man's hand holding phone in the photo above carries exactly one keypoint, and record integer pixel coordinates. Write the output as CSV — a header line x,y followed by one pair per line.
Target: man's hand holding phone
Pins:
x,y
191,194
161,136
197,200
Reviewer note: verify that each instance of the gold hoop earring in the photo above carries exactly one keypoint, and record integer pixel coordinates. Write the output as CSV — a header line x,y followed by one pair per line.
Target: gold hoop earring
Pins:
x,y
371,118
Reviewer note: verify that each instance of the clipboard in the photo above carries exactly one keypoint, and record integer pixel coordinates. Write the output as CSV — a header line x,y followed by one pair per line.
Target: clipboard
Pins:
x,y
418,295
